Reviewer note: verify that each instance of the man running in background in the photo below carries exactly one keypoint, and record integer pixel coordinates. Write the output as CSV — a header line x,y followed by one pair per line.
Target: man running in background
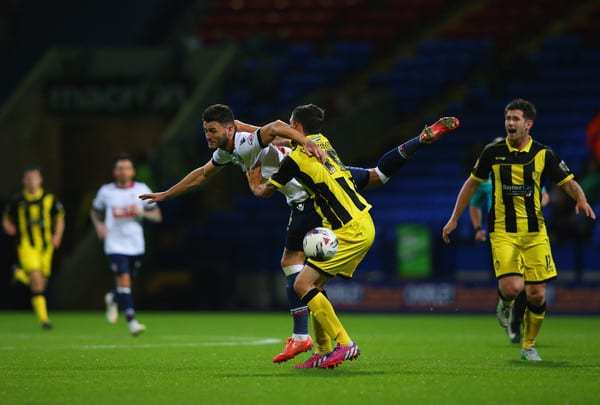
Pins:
x,y
36,219
117,213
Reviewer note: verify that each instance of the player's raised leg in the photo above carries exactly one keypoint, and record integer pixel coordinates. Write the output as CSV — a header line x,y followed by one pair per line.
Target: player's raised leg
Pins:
x,y
20,276
391,162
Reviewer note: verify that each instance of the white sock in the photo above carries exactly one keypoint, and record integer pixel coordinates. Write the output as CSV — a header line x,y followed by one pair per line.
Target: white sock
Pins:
x,y
296,336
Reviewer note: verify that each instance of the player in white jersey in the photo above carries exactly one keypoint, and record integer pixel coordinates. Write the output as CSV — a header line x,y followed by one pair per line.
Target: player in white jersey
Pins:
x,y
308,119
252,146
117,213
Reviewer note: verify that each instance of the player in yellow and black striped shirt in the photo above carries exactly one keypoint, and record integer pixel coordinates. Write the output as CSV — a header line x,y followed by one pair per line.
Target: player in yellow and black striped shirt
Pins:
x,y
36,219
346,212
520,247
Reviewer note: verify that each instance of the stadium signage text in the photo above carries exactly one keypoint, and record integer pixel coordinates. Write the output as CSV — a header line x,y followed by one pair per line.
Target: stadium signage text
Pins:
x,y
116,97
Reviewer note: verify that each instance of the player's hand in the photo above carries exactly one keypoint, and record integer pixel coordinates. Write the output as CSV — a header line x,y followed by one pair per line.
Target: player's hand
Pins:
x,y
155,197
481,235
101,231
312,149
584,208
254,176
9,228
447,230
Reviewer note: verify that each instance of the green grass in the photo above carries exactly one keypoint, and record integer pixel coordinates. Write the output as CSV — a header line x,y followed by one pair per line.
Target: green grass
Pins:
x,y
225,358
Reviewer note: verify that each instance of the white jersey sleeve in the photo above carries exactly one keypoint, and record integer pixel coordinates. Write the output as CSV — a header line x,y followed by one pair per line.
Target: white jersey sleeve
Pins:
x,y
99,203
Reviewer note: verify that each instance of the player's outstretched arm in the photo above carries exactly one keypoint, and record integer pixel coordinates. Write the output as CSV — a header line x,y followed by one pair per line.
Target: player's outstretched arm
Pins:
x,y
465,194
283,130
244,127
193,179
575,191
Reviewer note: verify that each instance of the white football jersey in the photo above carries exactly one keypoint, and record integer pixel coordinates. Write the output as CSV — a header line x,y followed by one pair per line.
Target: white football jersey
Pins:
x,y
248,151
125,233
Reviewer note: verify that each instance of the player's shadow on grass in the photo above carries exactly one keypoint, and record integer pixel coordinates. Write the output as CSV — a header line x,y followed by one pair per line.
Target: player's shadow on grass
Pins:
x,y
309,373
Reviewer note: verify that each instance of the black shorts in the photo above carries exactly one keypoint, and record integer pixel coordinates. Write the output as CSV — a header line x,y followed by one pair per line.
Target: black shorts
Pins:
x,y
303,218
124,264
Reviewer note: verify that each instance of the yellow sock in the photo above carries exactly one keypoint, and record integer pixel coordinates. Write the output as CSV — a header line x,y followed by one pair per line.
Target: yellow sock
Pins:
x,y
21,276
324,344
532,323
322,310
38,302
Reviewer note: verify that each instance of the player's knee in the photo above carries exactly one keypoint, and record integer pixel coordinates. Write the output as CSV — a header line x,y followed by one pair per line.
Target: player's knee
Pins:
x,y
510,291
37,289
300,287
292,260
536,297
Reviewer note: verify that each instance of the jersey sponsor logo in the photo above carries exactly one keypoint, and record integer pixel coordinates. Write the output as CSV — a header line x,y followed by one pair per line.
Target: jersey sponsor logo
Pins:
x,y
250,139
563,166
129,211
514,190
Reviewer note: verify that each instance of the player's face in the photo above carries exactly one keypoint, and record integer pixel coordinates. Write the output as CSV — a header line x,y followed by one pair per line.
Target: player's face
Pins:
x,y
124,171
516,125
32,180
217,134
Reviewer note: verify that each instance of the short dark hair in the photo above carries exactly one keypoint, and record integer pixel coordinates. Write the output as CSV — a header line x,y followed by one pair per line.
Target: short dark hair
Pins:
x,y
310,116
218,112
32,168
122,156
529,111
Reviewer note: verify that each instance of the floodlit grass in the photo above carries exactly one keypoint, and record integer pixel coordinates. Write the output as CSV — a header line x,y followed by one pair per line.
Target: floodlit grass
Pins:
x,y
225,358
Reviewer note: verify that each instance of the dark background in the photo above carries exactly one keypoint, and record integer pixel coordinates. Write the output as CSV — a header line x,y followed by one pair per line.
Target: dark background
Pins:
x,y
84,81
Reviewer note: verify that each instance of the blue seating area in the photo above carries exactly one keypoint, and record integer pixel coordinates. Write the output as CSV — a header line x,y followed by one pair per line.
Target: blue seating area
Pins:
x,y
278,78
435,65
564,88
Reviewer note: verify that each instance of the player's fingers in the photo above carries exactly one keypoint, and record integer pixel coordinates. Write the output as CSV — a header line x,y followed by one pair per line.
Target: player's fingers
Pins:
x,y
577,209
591,213
324,156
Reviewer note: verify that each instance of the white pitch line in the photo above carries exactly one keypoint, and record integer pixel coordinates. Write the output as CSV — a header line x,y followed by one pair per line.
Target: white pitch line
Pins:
x,y
260,342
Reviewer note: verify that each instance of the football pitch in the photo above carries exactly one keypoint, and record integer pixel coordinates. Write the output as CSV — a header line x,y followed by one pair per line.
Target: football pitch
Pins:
x,y
225,358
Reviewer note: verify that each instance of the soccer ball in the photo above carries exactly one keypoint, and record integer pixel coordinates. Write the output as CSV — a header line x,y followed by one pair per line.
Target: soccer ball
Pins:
x,y
320,244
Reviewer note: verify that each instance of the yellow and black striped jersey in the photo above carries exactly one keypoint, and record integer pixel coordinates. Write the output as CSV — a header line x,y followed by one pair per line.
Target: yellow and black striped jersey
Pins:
x,y
329,184
34,216
517,179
